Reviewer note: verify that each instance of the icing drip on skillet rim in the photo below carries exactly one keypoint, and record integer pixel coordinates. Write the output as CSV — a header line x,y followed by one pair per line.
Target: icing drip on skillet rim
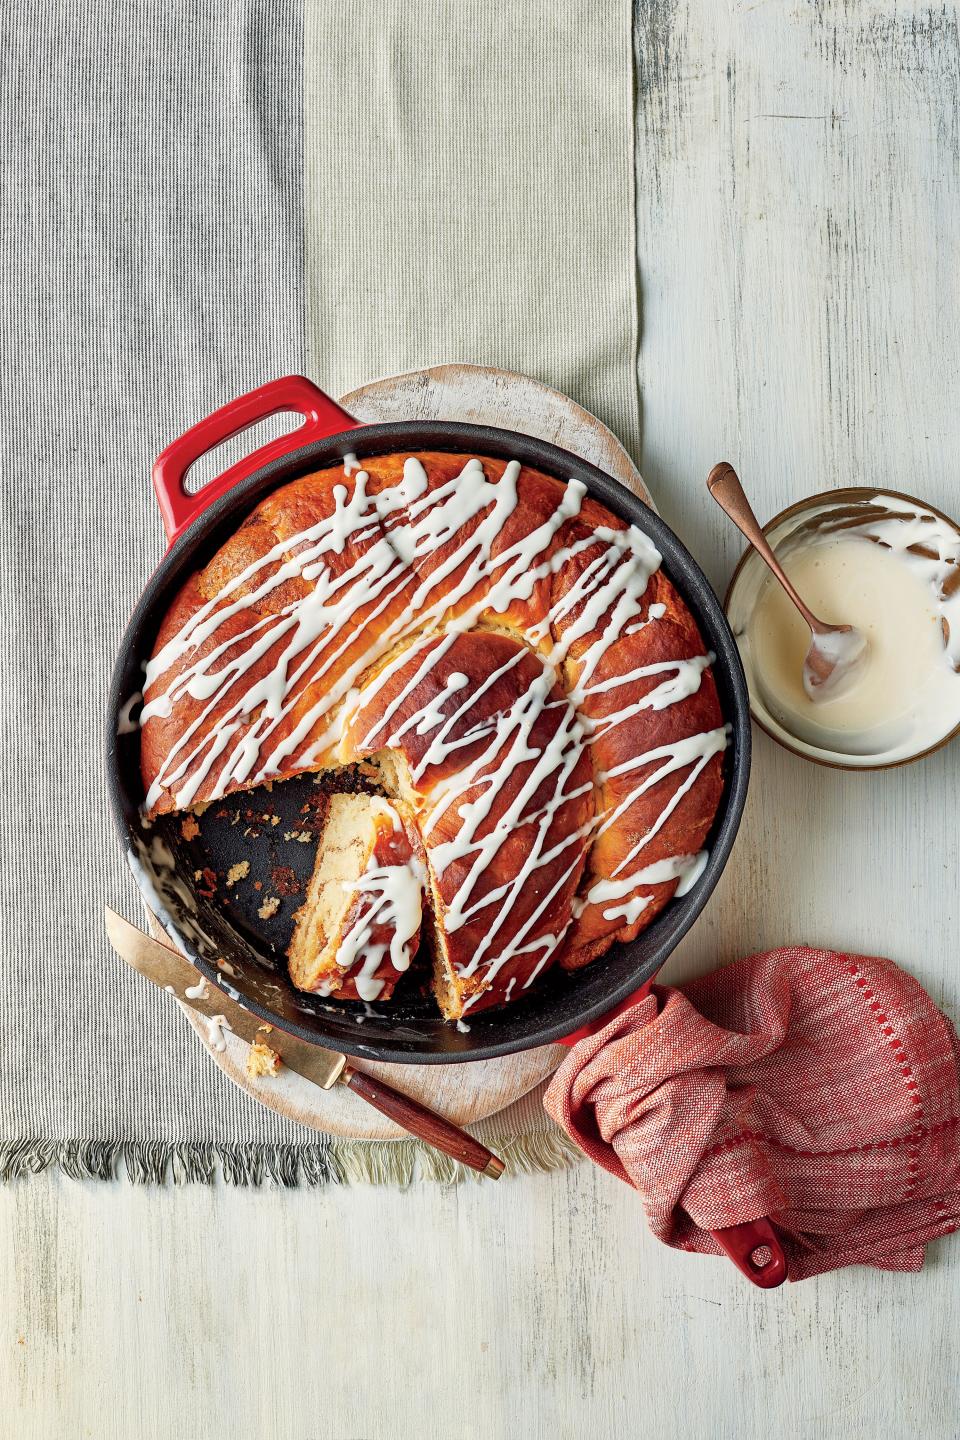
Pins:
x,y
456,526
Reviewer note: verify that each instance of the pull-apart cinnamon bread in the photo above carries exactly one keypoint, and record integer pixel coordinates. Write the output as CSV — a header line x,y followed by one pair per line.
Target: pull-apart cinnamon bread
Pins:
x,y
527,684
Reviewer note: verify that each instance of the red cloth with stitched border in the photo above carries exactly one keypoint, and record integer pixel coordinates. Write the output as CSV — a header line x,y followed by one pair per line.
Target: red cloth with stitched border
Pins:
x,y
816,1088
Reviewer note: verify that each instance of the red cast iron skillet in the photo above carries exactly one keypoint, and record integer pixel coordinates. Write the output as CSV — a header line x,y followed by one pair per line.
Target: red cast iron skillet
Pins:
x,y
407,1030
561,1007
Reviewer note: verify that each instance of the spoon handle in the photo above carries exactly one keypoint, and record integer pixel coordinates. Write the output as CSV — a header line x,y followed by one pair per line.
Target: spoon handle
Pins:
x,y
724,485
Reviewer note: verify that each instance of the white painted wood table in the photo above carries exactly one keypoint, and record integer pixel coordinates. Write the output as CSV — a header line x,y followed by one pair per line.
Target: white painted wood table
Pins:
x,y
798,182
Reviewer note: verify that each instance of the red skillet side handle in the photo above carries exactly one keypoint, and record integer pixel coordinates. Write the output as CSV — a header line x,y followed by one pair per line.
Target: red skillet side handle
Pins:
x,y
321,417
594,1026
740,1242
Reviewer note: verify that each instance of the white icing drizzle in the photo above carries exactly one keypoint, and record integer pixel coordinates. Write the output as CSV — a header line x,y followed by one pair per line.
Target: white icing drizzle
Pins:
x,y
390,535
380,806
216,1025
685,868
392,897
154,869
198,991
694,752
915,528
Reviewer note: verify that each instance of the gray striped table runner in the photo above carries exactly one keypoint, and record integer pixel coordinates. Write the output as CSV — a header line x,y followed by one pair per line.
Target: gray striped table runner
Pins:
x,y
199,198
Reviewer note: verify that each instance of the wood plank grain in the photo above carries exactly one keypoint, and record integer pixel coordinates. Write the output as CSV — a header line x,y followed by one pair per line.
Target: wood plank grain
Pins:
x,y
537,1307
802,326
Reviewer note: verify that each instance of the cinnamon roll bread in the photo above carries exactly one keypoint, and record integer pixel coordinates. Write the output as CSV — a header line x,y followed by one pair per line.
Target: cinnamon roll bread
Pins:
x,y
530,688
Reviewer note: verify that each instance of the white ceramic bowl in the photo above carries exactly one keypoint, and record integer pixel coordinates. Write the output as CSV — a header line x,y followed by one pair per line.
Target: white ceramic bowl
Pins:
x,y
830,510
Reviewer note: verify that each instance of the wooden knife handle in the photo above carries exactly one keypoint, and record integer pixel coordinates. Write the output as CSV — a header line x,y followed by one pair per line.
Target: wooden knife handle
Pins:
x,y
423,1123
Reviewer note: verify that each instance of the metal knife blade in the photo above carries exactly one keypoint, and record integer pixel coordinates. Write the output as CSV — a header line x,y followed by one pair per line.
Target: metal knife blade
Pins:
x,y
162,965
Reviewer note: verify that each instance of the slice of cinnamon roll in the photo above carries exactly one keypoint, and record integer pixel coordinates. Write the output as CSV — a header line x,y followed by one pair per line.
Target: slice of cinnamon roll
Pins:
x,y
359,927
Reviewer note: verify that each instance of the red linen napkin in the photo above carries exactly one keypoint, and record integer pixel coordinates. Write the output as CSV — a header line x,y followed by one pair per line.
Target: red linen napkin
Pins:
x,y
816,1088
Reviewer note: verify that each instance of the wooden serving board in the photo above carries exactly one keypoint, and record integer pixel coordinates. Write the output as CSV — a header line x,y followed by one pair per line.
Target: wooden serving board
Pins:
x,y
463,1093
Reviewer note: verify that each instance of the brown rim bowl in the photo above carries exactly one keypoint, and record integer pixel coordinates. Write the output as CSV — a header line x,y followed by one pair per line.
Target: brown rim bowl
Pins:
x,y
853,496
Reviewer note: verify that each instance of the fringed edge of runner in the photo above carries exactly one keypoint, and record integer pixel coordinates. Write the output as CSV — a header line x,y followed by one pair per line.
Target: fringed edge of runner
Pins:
x,y
334,1161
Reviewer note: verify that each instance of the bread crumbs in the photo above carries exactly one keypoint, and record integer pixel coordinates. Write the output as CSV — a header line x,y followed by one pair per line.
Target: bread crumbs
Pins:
x,y
261,1060
240,871
269,907
189,828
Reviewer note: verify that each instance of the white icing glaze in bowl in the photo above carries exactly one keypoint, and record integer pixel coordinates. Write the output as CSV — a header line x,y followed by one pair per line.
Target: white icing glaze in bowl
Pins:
x,y
888,564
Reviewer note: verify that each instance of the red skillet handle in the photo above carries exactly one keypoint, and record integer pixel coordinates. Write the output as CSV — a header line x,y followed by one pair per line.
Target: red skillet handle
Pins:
x,y
596,1025
740,1242
322,416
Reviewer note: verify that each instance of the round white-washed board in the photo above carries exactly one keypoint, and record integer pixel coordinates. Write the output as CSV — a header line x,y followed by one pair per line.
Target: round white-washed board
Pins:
x,y
463,1093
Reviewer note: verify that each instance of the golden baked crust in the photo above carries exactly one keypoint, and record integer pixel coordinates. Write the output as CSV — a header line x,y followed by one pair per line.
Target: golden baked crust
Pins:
x,y
509,654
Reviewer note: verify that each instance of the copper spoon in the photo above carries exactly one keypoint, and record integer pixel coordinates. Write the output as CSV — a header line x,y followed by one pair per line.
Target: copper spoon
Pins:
x,y
836,651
